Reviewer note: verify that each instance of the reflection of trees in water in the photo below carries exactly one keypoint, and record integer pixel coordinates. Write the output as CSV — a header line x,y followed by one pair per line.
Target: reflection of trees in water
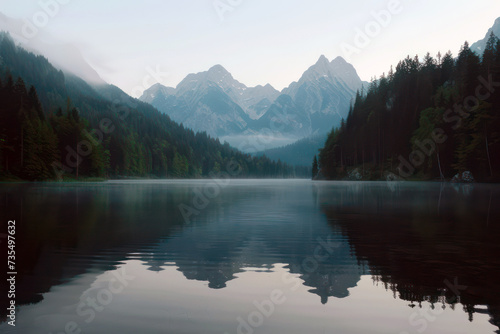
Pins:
x,y
66,230
413,238
419,239
417,295
69,230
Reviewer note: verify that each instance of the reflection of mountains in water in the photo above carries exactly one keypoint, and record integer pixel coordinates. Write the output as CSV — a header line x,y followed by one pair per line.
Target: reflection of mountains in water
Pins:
x,y
70,230
232,241
413,237
435,243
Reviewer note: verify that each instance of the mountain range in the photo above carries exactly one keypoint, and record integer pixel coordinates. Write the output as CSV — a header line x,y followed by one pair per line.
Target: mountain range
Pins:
x,y
302,152
252,119
47,116
480,45
216,103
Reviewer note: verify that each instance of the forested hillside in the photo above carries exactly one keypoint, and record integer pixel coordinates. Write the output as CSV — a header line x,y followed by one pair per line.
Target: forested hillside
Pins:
x,y
428,119
300,153
53,125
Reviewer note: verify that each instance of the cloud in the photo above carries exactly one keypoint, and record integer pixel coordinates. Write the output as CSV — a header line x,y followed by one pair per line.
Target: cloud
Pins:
x,y
66,57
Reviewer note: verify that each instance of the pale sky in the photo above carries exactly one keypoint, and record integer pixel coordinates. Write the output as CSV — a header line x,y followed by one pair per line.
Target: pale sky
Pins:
x,y
258,41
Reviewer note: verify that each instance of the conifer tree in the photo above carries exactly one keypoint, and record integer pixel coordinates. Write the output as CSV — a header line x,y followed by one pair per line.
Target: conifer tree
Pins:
x,y
315,167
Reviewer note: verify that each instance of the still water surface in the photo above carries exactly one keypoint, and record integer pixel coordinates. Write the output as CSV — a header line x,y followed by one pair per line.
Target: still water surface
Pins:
x,y
287,256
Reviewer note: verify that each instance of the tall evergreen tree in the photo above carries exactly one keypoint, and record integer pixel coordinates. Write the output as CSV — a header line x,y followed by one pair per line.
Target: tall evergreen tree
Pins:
x,y
315,169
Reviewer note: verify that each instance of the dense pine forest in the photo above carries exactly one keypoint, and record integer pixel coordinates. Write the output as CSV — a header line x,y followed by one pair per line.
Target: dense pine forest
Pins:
x,y
55,126
428,119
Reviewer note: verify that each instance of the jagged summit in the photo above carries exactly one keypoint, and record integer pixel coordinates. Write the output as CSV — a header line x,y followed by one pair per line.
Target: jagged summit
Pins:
x,y
218,72
214,101
339,60
217,68
479,46
322,60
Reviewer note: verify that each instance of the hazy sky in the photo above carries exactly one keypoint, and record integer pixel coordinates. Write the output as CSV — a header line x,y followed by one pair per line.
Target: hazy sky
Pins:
x,y
258,41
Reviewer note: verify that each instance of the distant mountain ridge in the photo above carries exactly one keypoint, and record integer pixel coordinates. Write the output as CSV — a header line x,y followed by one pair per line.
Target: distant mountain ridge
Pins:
x,y
325,92
195,99
46,116
215,102
480,45
300,153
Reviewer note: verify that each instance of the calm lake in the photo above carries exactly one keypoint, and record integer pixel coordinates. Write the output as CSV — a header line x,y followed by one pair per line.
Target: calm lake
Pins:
x,y
254,256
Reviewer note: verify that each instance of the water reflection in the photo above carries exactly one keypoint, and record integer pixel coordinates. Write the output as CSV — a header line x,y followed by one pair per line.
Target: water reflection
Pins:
x,y
66,230
437,243
419,241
